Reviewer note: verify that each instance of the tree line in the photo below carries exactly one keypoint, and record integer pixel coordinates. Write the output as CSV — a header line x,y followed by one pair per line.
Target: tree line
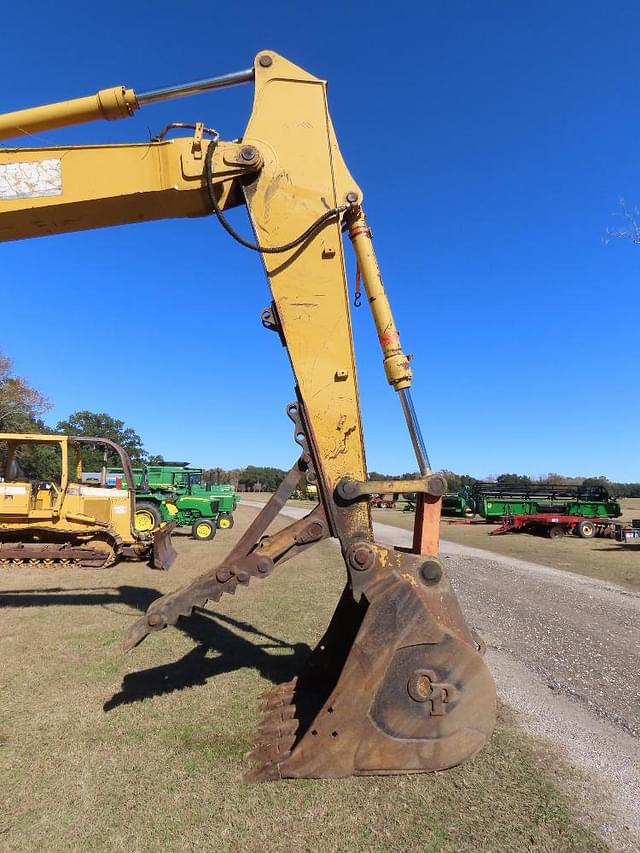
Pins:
x,y
22,409
456,481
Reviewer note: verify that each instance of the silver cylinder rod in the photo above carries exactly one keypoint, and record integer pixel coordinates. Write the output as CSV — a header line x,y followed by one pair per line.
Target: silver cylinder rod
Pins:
x,y
414,431
233,79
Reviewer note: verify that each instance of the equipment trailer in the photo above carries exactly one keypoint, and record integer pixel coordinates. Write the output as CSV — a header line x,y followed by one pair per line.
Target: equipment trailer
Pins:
x,y
555,526
494,501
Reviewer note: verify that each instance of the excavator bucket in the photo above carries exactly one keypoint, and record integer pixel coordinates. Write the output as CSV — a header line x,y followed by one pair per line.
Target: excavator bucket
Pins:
x,y
396,685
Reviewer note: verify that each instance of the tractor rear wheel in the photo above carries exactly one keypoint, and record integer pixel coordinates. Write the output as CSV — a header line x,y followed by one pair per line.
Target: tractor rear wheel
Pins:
x,y
225,521
203,529
148,517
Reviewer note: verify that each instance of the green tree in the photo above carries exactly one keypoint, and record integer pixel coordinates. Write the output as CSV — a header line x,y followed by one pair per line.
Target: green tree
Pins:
x,y
514,479
261,479
21,405
102,425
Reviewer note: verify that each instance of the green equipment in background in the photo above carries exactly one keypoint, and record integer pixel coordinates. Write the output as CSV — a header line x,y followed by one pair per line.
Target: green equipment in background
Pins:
x,y
177,493
494,501
460,504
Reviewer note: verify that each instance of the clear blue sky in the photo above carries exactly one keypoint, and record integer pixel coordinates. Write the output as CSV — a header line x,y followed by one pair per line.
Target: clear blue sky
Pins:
x,y
492,141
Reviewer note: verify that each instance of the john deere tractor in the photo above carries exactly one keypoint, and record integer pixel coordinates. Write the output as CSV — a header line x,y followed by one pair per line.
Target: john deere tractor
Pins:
x,y
176,493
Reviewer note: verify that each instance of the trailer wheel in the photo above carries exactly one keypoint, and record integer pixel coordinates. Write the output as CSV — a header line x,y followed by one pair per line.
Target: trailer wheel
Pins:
x,y
203,529
148,517
225,521
556,531
586,529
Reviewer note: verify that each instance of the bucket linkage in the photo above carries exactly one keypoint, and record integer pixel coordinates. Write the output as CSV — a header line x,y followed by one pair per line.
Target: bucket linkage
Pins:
x,y
396,685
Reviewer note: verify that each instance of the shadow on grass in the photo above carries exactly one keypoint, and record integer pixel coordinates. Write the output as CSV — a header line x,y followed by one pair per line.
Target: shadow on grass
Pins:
x,y
213,632
622,546
139,597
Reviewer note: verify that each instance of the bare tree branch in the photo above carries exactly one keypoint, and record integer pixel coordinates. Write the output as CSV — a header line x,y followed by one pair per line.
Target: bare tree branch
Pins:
x,y
631,230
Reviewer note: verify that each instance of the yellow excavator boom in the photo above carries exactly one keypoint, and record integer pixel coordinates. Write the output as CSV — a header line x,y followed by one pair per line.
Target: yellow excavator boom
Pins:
x,y
398,683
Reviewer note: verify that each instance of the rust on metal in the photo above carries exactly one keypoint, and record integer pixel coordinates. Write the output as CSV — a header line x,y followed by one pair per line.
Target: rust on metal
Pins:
x,y
431,484
396,685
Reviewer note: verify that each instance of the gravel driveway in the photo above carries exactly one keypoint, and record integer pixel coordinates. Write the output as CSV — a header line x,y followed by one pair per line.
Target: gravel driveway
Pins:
x,y
565,653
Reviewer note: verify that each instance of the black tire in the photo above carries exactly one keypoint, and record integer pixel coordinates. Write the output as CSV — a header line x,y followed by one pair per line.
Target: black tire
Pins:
x,y
198,529
586,529
225,521
152,510
556,531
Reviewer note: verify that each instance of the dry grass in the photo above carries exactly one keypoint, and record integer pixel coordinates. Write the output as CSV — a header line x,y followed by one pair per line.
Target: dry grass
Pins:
x,y
144,752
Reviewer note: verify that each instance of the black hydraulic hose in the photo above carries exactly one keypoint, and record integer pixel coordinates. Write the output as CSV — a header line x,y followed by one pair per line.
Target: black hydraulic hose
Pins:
x,y
270,250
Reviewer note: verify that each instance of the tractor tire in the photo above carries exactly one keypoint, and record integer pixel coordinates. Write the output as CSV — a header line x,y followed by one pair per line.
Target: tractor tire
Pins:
x,y
556,531
586,529
148,517
225,521
203,529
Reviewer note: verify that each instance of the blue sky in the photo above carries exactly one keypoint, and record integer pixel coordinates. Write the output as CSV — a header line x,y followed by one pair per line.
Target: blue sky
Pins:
x,y
492,141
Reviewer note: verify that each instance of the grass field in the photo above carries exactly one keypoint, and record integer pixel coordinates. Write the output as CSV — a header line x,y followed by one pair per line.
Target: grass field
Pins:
x,y
144,752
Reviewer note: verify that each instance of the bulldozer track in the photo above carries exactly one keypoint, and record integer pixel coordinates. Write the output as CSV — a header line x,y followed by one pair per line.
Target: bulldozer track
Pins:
x,y
44,564
16,555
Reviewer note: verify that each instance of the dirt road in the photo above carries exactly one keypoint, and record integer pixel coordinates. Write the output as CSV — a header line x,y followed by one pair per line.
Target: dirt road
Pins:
x,y
565,652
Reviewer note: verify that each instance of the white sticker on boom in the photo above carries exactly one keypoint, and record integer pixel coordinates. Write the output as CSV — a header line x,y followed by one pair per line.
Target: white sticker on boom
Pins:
x,y
31,180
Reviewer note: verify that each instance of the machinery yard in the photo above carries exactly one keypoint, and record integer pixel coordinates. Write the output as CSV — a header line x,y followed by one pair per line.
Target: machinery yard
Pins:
x,y
281,646
604,559
145,751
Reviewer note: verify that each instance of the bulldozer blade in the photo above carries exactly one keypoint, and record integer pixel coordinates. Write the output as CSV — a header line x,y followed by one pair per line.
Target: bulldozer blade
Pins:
x,y
396,685
163,553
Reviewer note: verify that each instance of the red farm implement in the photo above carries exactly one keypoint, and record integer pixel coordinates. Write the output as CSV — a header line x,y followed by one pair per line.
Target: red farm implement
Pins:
x,y
556,525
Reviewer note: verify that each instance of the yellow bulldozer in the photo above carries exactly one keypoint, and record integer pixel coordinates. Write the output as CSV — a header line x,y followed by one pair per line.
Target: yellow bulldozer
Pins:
x,y
64,521
398,683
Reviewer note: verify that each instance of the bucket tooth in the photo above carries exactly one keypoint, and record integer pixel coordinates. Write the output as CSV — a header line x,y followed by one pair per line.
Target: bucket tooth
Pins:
x,y
284,688
275,734
275,729
275,703
277,718
278,697
269,752
263,773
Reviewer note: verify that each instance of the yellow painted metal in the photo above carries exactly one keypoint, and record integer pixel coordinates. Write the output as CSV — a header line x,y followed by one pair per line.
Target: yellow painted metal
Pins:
x,y
303,176
104,185
202,530
396,364
113,103
145,522
224,523
66,506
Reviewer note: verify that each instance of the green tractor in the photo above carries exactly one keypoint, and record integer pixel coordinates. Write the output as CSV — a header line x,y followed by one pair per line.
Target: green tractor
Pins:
x,y
176,493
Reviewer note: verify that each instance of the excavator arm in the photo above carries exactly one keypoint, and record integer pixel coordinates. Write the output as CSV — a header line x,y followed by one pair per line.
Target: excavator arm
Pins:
x,y
398,683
